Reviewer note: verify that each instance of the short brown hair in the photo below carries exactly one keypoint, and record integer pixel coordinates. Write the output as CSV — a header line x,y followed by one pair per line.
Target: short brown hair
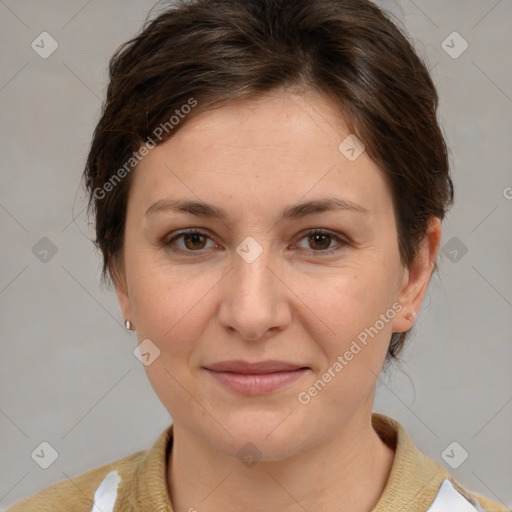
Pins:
x,y
214,51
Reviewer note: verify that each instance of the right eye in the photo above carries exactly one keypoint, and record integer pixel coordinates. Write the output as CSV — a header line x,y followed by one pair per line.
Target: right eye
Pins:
x,y
193,241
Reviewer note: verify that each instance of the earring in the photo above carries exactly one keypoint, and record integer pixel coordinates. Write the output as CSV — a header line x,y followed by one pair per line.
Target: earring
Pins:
x,y
410,316
128,325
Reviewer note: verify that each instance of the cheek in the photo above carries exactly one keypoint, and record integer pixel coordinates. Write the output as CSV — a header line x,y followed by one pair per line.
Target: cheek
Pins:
x,y
349,301
172,312
167,306
355,344
172,306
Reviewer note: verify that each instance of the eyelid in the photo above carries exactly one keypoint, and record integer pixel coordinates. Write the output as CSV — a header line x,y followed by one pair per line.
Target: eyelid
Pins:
x,y
341,241
168,239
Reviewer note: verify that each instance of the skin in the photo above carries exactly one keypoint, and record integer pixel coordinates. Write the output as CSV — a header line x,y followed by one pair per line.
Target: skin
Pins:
x,y
295,302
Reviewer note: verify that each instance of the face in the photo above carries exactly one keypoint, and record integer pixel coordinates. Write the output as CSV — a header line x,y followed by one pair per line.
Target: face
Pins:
x,y
258,278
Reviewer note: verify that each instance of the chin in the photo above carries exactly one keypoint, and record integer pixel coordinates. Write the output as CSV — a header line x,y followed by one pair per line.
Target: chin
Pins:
x,y
262,435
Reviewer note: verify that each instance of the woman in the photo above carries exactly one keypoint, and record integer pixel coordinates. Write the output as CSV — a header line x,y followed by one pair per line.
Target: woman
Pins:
x,y
268,180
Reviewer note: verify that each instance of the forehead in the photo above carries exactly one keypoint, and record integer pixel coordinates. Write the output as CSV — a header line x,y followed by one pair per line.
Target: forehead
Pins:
x,y
278,147
257,124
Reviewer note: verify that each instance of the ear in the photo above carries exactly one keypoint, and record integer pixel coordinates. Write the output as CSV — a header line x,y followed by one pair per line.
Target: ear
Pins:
x,y
417,276
119,279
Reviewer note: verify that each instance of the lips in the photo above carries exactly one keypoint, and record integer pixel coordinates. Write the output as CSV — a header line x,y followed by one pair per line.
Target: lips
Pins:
x,y
256,378
261,367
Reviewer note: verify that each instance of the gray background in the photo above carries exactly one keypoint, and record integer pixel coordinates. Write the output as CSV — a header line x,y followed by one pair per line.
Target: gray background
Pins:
x,y
68,373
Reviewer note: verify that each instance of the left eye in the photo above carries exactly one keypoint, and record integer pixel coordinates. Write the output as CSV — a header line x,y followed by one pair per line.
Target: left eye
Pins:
x,y
322,240
195,241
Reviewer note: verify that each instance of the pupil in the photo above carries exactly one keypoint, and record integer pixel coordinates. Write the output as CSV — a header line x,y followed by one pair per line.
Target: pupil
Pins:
x,y
194,238
317,238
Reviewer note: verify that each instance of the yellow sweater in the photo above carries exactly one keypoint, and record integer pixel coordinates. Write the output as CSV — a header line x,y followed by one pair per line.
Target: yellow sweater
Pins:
x,y
137,483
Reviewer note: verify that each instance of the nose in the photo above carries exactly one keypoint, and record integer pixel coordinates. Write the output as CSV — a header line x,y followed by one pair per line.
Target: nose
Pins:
x,y
254,299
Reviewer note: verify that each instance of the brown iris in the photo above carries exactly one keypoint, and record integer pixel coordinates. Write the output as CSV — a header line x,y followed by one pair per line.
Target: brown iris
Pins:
x,y
195,239
320,238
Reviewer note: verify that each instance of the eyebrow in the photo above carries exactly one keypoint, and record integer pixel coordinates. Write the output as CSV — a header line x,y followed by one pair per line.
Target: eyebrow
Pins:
x,y
202,209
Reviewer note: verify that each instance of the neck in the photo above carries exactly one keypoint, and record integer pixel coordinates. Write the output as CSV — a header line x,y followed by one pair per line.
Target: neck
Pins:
x,y
346,472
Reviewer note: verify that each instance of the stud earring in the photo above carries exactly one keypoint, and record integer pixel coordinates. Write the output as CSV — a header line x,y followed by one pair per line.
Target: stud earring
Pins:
x,y
410,316
128,325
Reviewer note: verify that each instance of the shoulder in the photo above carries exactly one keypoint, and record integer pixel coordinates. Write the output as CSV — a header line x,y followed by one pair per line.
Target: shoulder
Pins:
x,y
452,496
481,503
77,493
422,482
490,506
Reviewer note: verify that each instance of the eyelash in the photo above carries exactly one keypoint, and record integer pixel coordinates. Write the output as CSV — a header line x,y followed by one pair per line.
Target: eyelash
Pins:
x,y
169,242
